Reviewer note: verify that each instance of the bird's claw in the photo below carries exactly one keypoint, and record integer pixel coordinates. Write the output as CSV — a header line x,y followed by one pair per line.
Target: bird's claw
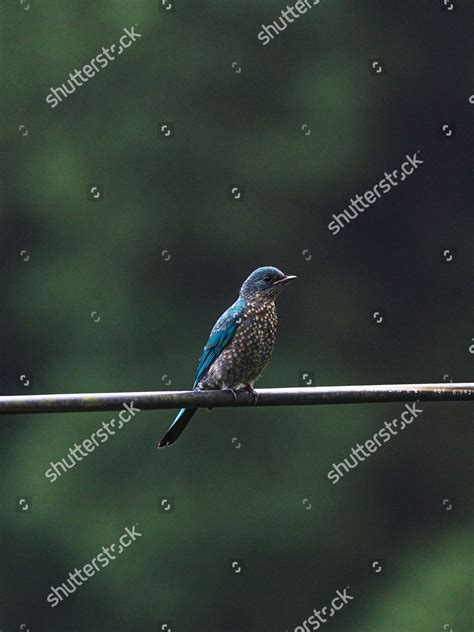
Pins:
x,y
234,394
234,397
252,391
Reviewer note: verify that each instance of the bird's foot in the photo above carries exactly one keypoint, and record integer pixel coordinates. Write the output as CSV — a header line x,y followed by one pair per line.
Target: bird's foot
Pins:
x,y
234,395
249,389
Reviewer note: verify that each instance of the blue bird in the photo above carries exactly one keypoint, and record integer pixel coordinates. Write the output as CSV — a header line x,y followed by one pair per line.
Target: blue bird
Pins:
x,y
240,343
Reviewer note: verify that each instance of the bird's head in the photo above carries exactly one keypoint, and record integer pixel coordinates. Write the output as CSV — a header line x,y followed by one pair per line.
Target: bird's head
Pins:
x,y
264,284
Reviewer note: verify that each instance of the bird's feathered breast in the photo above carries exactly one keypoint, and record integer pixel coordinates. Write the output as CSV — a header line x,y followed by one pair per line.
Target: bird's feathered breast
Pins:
x,y
256,336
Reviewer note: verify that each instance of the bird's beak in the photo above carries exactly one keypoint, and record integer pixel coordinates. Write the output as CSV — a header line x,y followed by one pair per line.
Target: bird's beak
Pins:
x,y
285,279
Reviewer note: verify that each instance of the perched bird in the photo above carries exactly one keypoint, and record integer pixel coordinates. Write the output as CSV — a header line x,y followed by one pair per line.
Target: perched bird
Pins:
x,y
240,343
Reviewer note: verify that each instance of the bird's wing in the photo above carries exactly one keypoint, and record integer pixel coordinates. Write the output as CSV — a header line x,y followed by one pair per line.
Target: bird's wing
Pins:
x,y
221,334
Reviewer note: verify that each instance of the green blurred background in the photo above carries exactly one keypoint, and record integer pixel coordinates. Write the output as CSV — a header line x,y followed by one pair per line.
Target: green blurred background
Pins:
x,y
163,253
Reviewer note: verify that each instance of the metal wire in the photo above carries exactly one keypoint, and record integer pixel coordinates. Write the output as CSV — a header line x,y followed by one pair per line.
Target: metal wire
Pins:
x,y
302,396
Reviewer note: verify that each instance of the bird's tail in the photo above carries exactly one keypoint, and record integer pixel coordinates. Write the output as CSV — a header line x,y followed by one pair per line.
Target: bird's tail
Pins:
x,y
177,427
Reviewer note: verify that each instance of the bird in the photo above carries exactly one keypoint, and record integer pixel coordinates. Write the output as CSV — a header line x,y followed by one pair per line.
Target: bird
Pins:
x,y
240,343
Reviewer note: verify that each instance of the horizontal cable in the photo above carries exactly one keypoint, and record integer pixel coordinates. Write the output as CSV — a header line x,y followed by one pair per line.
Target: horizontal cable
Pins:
x,y
301,396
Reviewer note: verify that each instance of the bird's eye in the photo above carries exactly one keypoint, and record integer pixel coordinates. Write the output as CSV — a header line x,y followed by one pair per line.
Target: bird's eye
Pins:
x,y
267,278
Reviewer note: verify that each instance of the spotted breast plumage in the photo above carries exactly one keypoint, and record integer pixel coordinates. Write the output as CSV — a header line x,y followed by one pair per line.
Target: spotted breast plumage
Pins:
x,y
240,343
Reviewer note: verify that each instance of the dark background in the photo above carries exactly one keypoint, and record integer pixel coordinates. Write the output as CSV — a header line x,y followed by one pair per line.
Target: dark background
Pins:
x,y
163,253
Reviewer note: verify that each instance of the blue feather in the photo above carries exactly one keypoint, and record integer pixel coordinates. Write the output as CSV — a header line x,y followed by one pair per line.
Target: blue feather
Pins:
x,y
221,334
177,427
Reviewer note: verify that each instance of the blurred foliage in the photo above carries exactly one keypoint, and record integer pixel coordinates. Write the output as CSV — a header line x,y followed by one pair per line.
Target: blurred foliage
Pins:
x,y
172,195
